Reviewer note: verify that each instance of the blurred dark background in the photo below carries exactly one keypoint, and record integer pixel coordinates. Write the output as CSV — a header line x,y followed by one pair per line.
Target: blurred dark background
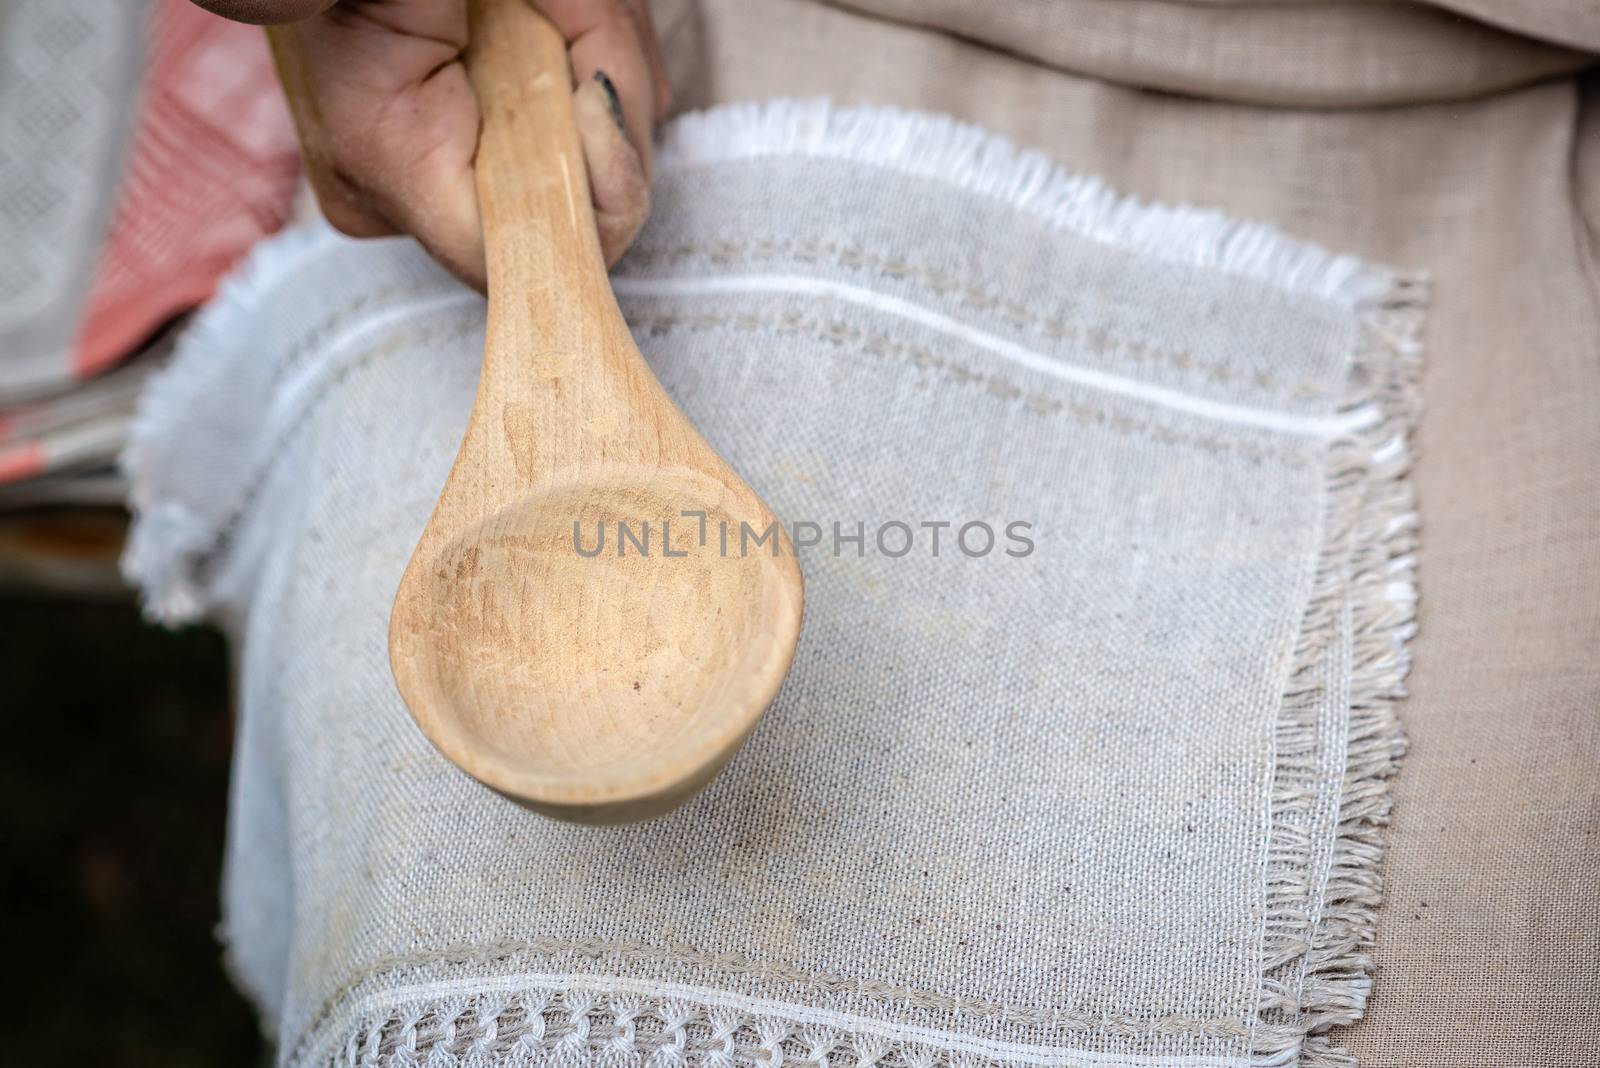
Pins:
x,y
113,789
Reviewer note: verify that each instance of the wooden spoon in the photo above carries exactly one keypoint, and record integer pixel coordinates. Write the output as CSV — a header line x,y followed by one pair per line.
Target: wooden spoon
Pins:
x,y
602,688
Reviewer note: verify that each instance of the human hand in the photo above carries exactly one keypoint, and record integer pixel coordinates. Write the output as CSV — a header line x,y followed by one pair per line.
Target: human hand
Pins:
x,y
389,125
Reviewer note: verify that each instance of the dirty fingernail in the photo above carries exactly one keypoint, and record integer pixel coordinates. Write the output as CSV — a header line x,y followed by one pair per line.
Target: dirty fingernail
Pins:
x,y
613,102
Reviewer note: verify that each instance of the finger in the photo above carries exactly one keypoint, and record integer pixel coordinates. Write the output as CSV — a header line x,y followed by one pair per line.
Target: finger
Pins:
x,y
388,123
422,176
617,182
602,35
644,25
346,207
343,203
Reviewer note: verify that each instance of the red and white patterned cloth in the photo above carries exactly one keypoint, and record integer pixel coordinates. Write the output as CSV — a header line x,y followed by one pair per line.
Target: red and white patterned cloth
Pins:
x,y
212,171
210,168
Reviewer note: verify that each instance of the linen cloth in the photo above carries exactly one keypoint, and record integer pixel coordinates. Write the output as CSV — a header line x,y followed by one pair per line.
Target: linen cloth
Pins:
x,y
1106,793
1487,945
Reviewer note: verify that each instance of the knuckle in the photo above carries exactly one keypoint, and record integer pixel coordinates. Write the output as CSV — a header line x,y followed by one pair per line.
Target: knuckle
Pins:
x,y
343,206
348,220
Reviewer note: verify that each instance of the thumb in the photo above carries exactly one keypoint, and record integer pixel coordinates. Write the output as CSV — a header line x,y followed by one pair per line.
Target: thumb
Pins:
x,y
617,182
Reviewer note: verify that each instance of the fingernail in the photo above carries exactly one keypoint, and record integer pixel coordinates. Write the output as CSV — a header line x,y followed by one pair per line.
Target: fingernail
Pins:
x,y
613,102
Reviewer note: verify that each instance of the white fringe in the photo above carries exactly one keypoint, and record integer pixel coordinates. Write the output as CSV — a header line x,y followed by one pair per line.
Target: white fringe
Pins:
x,y
1320,924
942,149
174,532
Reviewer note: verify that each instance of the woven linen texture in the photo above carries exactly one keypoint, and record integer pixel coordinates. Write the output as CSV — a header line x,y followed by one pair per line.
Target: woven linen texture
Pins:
x,y
1110,801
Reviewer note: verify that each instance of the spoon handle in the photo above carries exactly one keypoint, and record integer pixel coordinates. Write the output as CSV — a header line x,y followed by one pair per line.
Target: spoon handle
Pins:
x,y
563,382
533,188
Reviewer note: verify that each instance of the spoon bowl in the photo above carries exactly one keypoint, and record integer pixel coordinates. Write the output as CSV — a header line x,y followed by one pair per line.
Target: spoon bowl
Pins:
x,y
617,640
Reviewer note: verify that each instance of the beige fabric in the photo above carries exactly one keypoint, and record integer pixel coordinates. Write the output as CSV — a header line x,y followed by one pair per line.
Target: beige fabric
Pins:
x,y
1488,939
1575,23
1339,54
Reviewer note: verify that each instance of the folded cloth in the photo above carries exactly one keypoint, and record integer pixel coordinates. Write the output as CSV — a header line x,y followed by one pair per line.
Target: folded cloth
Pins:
x,y
69,74
71,434
145,148
213,169
1098,782
1324,53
